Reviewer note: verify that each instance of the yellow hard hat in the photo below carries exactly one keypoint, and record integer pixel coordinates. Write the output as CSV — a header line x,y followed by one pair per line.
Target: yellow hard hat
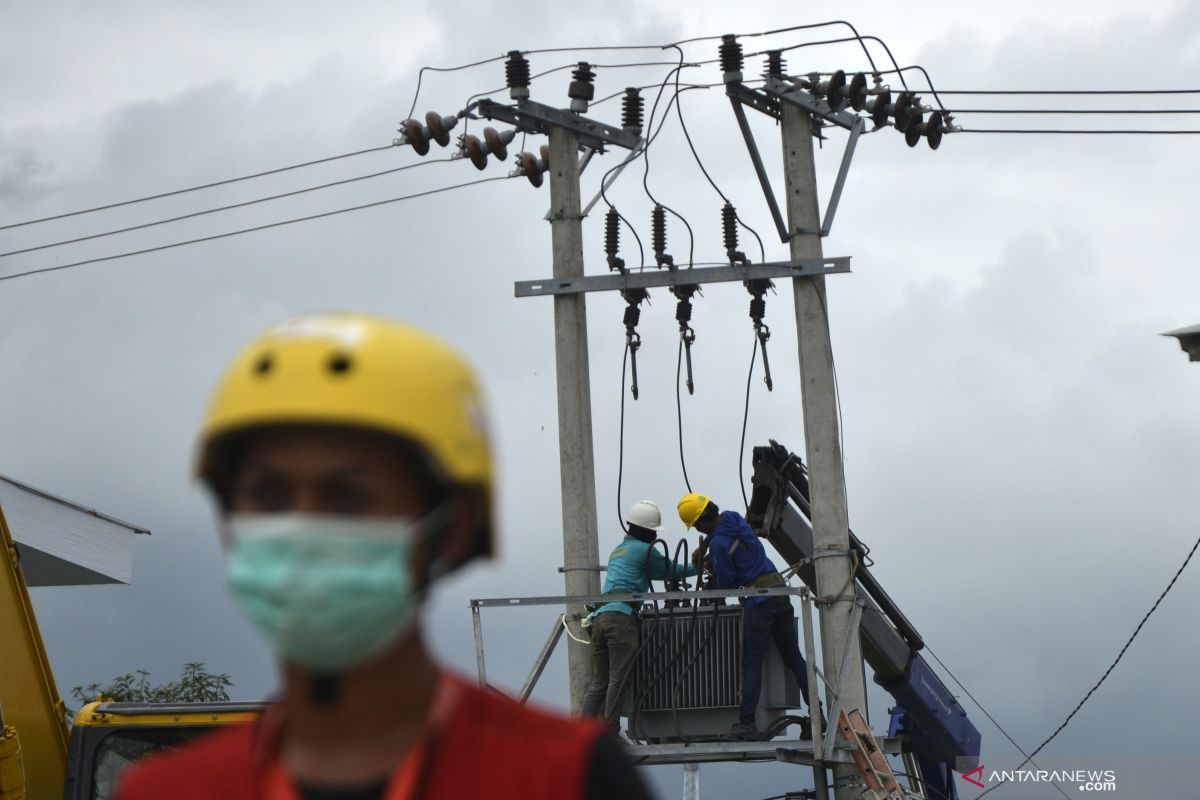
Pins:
x,y
691,506
359,371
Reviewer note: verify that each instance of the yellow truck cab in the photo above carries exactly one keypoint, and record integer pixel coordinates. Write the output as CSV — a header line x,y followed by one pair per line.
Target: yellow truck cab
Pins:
x,y
107,737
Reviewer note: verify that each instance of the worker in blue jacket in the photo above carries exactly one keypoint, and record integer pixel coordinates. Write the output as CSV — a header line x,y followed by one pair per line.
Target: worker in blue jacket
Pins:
x,y
740,560
614,626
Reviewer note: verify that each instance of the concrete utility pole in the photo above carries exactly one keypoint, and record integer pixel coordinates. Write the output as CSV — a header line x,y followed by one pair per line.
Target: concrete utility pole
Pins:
x,y
581,556
822,440
691,781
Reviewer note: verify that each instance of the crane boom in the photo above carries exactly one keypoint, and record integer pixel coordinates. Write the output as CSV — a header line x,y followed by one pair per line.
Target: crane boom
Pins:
x,y
943,738
29,700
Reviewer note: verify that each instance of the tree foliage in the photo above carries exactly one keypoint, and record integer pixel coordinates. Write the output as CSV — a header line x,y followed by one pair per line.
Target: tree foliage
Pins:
x,y
195,685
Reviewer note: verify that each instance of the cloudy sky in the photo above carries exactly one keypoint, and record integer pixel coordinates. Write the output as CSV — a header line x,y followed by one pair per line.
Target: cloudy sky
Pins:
x,y
1020,444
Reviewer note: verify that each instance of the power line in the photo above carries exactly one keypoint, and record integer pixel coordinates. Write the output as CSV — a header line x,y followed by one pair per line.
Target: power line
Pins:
x,y
678,414
644,153
700,164
250,230
1068,91
809,26
987,713
1087,131
646,173
898,71
1074,110
621,439
1111,666
421,74
745,419
174,192
221,208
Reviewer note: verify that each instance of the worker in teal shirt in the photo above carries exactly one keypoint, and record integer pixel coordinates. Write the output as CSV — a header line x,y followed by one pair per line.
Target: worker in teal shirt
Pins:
x,y
614,626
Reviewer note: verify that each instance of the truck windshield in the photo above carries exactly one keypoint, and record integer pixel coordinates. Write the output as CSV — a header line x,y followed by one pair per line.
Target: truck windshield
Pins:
x,y
122,747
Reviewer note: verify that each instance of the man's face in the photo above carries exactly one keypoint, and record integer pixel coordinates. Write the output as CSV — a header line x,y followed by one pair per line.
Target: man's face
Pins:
x,y
317,471
706,526
345,473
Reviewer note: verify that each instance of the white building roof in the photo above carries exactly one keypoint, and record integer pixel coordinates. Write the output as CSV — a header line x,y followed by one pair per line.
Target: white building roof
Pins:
x,y
63,543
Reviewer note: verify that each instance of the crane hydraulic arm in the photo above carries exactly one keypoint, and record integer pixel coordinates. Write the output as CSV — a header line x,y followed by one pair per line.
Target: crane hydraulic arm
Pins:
x,y
29,701
943,739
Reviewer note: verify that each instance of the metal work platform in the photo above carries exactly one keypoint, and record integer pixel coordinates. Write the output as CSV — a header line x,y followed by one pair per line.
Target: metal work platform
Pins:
x,y
831,750
791,751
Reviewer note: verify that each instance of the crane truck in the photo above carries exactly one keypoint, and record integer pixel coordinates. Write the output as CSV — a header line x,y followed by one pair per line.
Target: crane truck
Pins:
x,y
44,758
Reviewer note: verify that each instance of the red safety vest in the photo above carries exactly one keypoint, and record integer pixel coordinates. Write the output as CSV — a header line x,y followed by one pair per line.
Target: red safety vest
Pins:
x,y
476,744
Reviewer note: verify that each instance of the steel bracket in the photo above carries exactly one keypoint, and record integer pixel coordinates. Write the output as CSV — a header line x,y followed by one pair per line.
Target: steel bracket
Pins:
x,y
788,92
537,118
769,102
614,282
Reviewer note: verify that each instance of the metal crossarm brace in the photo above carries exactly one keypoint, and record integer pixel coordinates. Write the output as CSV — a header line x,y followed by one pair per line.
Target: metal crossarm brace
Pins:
x,y
839,184
756,158
788,92
768,102
682,277
532,117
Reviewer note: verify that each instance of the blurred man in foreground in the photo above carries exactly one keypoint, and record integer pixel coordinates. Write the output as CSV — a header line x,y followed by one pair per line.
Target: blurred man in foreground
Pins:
x,y
350,462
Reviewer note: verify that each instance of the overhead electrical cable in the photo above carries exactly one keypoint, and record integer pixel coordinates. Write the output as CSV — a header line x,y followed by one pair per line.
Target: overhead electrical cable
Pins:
x,y
221,208
421,74
691,146
267,226
646,167
174,192
1069,91
986,713
1087,131
854,30
746,419
678,415
621,439
644,87
898,70
1111,666
1074,110
643,153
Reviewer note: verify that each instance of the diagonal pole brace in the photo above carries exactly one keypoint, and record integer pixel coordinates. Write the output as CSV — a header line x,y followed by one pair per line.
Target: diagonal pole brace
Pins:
x,y
761,171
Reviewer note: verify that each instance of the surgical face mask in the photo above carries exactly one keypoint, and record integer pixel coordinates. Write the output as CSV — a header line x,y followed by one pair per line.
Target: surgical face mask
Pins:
x,y
328,592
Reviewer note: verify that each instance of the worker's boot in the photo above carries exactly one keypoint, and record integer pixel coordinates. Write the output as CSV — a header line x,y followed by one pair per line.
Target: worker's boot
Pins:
x,y
742,732
806,723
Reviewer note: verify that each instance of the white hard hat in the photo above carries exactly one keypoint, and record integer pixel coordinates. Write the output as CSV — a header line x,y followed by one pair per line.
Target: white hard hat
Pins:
x,y
645,514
